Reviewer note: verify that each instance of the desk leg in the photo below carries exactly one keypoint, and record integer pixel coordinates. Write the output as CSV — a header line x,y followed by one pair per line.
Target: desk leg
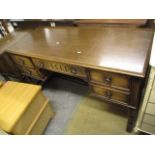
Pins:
x,y
136,90
132,113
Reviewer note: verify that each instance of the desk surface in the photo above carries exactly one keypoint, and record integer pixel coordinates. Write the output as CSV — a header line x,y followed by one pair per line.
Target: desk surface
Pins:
x,y
10,40
123,50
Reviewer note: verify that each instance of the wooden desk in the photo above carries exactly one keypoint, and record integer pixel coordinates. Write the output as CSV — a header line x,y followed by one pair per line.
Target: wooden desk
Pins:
x,y
133,22
112,60
7,68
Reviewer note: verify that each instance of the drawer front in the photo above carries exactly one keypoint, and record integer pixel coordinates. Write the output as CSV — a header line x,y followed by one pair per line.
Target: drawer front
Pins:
x,y
23,61
110,79
110,94
149,119
61,68
150,109
152,96
31,72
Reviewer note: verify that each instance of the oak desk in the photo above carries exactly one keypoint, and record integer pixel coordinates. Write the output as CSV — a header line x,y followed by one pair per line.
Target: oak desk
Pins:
x,y
112,60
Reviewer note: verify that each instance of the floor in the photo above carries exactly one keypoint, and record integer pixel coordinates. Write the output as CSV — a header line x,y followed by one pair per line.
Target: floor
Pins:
x,y
65,96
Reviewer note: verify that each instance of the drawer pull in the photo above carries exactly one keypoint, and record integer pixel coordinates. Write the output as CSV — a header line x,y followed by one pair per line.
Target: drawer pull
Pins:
x,y
108,94
73,70
115,80
108,80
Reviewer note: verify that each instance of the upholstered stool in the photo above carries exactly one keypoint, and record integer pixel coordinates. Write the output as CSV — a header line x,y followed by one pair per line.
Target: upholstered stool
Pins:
x,y
23,108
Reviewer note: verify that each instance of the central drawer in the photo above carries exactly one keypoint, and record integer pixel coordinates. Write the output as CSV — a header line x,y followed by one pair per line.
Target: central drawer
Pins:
x,y
31,72
110,94
61,68
110,79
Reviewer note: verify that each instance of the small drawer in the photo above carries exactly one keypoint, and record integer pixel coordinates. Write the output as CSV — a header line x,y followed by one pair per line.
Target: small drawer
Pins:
x,y
150,109
23,61
61,68
31,72
77,71
110,94
110,79
40,63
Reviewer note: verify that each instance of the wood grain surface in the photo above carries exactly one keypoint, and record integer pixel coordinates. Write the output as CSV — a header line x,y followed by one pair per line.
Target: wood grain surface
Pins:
x,y
135,22
116,49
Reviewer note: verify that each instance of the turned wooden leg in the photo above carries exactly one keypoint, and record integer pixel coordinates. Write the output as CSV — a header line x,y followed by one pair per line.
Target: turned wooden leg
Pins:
x,y
131,119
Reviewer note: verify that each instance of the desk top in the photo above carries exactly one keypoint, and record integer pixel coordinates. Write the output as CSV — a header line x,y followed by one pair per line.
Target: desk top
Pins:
x,y
10,40
116,49
134,22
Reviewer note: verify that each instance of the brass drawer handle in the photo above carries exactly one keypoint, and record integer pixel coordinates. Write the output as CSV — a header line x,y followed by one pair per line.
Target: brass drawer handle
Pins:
x,y
108,94
73,70
108,80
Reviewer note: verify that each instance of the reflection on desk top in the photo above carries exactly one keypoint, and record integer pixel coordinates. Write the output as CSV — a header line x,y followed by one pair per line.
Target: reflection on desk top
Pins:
x,y
10,40
122,50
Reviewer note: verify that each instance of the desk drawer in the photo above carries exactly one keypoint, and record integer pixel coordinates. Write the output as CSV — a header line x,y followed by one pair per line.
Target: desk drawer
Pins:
x,y
23,61
31,72
110,79
61,68
110,94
